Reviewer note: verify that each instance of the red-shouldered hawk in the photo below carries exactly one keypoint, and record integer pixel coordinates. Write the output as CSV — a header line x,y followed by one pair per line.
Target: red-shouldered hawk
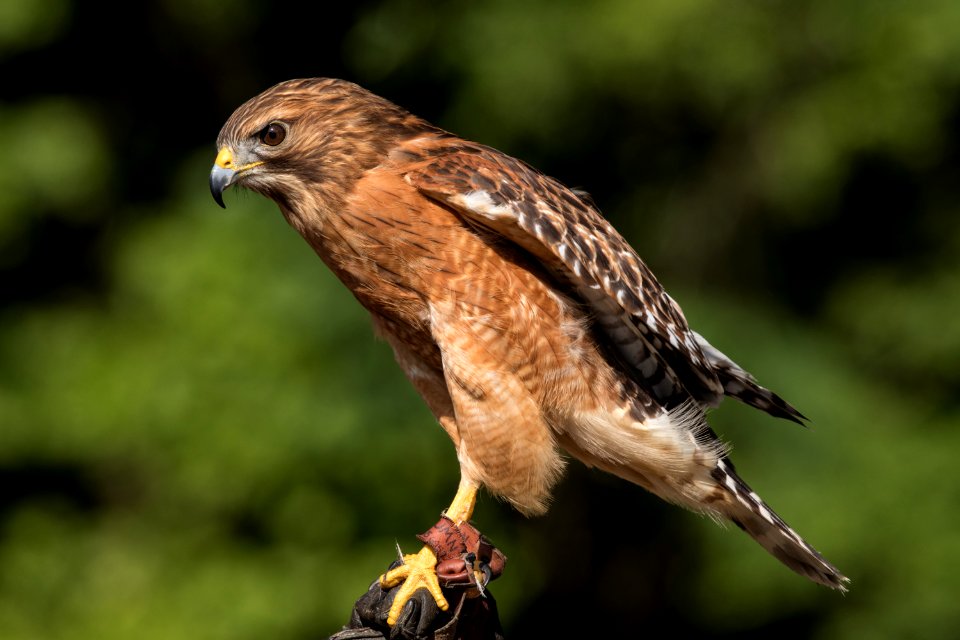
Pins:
x,y
526,322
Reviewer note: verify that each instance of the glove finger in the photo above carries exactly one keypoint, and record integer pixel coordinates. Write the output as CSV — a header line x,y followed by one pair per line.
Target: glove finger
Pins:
x,y
369,608
417,617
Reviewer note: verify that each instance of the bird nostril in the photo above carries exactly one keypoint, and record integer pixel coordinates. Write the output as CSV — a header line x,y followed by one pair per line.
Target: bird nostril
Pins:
x,y
225,159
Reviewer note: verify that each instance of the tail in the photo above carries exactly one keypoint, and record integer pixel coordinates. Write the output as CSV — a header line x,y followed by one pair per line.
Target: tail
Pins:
x,y
746,510
738,383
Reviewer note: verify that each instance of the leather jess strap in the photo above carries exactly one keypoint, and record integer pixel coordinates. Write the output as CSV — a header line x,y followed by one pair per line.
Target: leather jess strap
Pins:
x,y
465,557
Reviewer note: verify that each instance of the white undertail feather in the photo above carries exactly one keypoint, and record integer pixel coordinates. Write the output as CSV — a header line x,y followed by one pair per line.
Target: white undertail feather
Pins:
x,y
676,456
671,455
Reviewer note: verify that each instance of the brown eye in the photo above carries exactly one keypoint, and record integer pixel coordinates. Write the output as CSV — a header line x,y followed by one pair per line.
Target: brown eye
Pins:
x,y
273,134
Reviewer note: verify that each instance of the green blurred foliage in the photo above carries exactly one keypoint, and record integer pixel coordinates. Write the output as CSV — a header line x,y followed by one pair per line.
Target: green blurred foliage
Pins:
x,y
27,25
199,436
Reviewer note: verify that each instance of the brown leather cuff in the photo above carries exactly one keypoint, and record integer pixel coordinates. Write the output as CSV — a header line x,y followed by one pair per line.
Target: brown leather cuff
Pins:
x,y
461,552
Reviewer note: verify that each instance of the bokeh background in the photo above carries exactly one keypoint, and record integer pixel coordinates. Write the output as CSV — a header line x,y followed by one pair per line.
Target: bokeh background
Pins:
x,y
200,439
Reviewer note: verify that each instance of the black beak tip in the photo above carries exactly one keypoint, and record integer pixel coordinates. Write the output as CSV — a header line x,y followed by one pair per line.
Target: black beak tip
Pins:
x,y
216,190
218,198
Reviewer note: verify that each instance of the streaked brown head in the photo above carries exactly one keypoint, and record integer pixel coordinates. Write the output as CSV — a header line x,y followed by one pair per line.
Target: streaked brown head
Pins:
x,y
315,135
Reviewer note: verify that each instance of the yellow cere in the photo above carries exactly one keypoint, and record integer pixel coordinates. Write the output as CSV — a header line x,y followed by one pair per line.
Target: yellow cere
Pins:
x,y
225,161
225,158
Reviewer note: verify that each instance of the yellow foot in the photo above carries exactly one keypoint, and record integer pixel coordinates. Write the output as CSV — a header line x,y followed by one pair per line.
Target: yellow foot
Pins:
x,y
418,571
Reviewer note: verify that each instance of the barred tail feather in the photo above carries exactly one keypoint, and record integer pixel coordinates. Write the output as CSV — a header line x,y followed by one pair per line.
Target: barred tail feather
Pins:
x,y
748,511
738,383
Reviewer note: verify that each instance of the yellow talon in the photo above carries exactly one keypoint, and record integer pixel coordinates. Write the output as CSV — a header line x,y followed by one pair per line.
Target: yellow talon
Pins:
x,y
417,571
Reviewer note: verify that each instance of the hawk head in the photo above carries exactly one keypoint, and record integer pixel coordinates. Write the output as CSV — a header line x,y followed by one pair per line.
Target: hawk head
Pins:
x,y
305,139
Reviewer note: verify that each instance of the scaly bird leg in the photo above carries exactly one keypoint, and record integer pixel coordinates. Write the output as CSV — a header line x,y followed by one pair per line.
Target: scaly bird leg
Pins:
x,y
418,570
461,509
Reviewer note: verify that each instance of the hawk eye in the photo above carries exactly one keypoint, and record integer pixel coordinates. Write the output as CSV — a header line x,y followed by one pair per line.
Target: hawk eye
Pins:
x,y
273,134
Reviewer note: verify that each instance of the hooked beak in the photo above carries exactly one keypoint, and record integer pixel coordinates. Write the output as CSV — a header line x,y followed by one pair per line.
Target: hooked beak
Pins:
x,y
225,172
222,175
